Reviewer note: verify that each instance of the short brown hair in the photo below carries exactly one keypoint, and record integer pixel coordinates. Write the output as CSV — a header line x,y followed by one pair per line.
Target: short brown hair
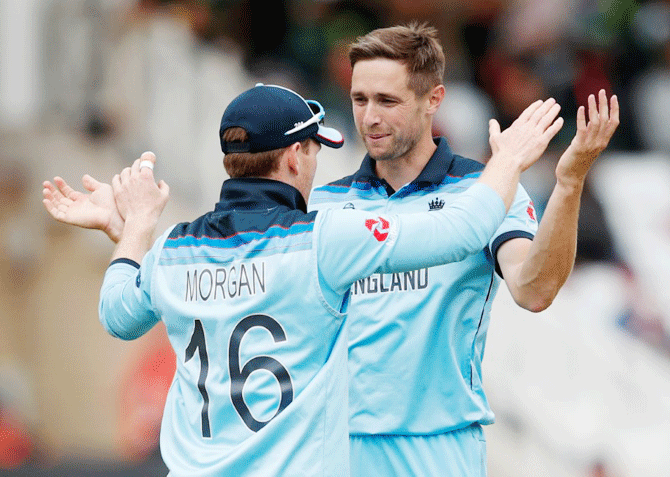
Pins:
x,y
251,164
415,45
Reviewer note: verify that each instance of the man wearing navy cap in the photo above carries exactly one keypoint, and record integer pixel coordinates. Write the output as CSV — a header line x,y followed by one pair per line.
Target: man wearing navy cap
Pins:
x,y
254,294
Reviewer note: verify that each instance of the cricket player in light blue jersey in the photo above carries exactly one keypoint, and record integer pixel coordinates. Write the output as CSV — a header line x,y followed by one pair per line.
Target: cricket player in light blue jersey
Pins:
x,y
254,294
416,341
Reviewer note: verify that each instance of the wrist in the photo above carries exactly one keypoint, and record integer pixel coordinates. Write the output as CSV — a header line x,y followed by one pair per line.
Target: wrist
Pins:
x,y
503,167
136,238
114,228
138,229
509,162
570,184
140,224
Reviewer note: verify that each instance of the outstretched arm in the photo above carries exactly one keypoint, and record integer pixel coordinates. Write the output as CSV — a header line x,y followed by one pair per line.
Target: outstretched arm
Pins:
x,y
464,227
125,305
96,210
536,270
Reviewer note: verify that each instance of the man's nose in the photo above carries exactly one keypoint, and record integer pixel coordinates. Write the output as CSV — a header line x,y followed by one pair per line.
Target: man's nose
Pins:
x,y
371,115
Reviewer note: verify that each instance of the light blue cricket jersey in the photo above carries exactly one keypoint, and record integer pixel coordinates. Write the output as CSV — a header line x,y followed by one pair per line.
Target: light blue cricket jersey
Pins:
x,y
253,297
417,339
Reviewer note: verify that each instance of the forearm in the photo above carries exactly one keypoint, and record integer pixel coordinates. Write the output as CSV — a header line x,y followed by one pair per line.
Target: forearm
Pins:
x,y
114,228
354,244
501,175
448,235
121,309
136,239
551,255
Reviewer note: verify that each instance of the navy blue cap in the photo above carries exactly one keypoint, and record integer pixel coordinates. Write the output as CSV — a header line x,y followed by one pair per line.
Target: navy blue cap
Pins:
x,y
275,117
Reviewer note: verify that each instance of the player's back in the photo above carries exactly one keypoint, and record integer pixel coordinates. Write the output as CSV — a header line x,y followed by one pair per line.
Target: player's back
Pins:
x,y
252,296
260,386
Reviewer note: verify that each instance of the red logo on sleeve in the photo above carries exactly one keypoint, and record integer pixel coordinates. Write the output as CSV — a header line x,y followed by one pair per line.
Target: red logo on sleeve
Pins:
x,y
531,210
379,228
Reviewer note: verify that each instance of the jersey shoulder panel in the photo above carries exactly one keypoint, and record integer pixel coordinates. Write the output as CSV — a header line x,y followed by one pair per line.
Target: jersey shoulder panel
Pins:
x,y
337,190
239,234
461,174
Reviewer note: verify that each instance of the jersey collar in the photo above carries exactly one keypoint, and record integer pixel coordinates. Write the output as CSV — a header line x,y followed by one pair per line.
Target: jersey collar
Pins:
x,y
255,193
435,171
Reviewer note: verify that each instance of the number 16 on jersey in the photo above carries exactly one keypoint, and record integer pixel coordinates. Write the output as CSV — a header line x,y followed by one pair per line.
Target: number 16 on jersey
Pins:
x,y
239,375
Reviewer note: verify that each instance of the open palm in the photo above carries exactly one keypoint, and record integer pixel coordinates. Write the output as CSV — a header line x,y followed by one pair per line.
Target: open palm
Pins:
x,y
96,210
591,139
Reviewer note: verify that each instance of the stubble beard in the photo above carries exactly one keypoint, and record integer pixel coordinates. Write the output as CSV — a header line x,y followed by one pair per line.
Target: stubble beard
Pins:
x,y
401,145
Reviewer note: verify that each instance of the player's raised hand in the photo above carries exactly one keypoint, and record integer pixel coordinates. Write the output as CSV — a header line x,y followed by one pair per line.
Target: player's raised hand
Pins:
x,y
529,135
591,138
96,210
137,195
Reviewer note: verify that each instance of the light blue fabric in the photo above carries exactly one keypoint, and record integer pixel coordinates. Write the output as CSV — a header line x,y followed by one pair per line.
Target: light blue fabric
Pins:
x,y
417,339
463,454
272,324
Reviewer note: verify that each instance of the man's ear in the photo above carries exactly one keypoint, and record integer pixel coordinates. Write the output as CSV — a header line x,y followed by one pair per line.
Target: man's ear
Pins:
x,y
292,160
435,97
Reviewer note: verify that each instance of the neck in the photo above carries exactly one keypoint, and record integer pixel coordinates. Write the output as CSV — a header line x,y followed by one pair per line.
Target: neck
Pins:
x,y
284,175
404,169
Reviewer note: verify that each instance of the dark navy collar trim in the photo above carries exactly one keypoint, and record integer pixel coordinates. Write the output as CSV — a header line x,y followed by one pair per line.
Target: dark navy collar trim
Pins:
x,y
255,193
434,173
438,166
366,173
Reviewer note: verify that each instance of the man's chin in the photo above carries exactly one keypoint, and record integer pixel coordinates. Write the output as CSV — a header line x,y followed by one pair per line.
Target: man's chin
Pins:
x,y
380,155
377,153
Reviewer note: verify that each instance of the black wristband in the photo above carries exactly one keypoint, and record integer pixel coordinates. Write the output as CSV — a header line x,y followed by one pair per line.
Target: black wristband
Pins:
x,y
127,261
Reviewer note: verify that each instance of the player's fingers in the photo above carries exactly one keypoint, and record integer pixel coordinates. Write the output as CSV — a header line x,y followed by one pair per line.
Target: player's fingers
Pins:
x,y
52,193
528,112
48,193
614,111
51,208
549,116
48,188
64,188
90,184
593,109
603,107
116,183
56,209
581,118
55,197
135,167
148,156
147,162
540,112
494,128
552,130
164,188
124,176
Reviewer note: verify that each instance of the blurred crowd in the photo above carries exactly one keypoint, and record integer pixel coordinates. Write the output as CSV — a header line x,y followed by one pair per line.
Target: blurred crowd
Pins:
x,y
113,78
158,72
